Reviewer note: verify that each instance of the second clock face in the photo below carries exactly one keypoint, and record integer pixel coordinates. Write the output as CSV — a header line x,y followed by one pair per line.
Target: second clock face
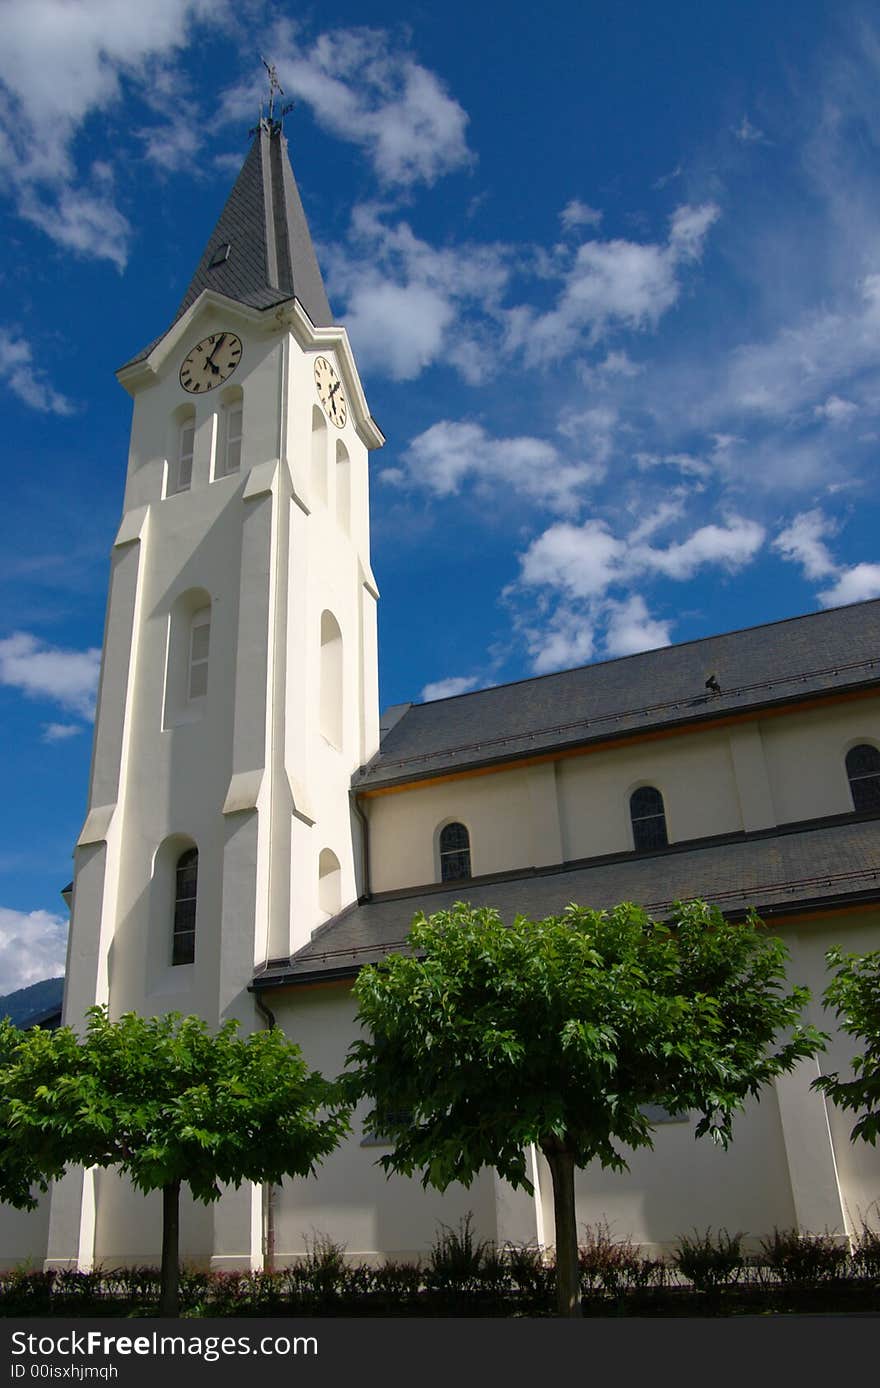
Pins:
x,y
210,363
330,391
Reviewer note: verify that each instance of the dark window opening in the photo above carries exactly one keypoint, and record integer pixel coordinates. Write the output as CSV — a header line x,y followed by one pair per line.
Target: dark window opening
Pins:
x,y
863,771
183,943
648,819
455,853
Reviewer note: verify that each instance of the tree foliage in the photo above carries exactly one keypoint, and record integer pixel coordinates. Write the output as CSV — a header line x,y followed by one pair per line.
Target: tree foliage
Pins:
x,y
854,995
560,1032
168,1103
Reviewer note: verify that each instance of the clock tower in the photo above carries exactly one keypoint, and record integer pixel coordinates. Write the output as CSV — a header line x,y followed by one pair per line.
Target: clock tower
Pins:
x,y
239,687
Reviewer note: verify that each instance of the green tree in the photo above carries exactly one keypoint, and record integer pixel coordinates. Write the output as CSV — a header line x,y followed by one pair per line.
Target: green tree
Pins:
x,y
559,1032
32,1164
854,995
168,1103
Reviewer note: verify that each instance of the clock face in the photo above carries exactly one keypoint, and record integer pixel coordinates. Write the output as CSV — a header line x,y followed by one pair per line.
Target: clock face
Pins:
x,y
210,363
330,391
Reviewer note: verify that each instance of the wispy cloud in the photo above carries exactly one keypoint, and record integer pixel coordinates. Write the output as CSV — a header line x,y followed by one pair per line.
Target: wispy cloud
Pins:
x,y
26,379
42,671
448,688
365,88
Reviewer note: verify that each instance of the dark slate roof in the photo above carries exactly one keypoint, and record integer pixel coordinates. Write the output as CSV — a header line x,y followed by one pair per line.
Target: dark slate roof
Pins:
x,y
834,862
271,257
756,667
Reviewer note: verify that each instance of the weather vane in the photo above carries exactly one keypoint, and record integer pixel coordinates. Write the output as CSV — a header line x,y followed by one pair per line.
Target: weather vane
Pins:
x,y
275,89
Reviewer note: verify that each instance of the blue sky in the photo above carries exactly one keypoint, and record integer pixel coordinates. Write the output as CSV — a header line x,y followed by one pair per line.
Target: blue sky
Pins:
x,y
612,276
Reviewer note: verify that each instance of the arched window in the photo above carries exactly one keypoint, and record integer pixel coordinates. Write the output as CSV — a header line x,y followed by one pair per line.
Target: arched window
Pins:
x,y
863,770
331,680
183,938
343,487
182,465
231,425
329,882
648,819
199,645
319,455
455,853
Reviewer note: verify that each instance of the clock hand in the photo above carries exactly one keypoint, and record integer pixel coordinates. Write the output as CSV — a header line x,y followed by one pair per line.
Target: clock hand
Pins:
x,y
217,347
333,390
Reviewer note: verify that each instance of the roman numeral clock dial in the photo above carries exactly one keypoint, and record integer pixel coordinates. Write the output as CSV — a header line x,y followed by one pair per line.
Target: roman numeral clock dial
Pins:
x,y
330,391
210,363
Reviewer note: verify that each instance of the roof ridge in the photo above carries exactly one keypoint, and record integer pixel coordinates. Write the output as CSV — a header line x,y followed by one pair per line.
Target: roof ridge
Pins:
x,y
637,655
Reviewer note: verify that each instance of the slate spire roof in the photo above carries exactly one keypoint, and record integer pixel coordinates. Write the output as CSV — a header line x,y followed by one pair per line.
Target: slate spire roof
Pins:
x,y
260,253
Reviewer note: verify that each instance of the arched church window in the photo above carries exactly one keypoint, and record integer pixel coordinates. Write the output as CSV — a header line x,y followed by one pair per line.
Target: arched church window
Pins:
x,y
199,646
231,429
648,819
863,772
343,487
329,882
186,442
455,853
331,680
186,876
319,455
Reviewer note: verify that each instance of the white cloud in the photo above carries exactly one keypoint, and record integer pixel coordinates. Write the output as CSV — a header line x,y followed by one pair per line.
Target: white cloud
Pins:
x,y
26,380
584,561
623,284
856,584
410,304
579,560
579,214
33,946
60,732
362,90
68,678
60,63
568,639
790,371
803,542
451,453
631,628
448,688
731,545
836,410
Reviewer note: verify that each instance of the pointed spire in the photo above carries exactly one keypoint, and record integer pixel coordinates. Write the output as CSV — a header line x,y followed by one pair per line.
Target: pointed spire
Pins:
x,y
260,252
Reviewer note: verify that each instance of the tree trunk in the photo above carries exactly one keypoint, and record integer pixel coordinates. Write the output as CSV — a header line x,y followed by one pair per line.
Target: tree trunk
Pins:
x,y
568,1289
169,1297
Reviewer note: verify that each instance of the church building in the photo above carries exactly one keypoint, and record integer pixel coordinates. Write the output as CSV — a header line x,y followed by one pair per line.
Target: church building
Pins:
x,y
255,832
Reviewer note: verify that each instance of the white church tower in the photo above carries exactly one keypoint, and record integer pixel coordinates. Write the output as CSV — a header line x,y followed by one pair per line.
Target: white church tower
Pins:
x,y
239,685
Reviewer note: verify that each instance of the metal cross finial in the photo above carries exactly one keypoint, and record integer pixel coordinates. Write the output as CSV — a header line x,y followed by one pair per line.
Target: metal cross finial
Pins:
x,y
274,86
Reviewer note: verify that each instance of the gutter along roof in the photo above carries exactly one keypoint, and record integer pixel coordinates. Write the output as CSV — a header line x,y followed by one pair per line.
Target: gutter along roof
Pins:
x,y
821,865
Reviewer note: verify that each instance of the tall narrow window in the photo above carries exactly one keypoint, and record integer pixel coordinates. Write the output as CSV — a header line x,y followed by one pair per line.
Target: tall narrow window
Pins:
x,y
343,487
455,853
183,939
648,819
319,455
199,646
863,770
186,440
231,432
331,680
